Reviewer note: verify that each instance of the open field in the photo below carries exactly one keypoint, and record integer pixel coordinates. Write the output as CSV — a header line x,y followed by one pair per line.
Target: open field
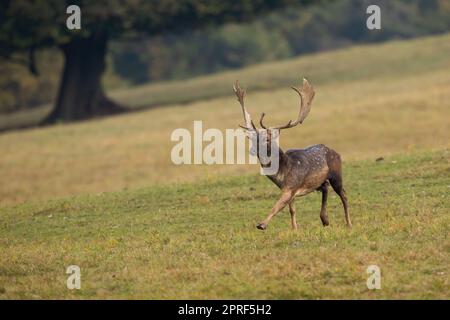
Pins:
x,y
371,101
386,61
167,231
200,240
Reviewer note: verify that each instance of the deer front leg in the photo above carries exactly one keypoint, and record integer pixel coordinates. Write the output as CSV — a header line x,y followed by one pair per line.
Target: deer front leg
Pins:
x,y
292,212
281,203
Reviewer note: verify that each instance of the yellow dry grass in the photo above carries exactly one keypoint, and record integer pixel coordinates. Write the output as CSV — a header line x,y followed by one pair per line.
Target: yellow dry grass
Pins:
x,y
371,115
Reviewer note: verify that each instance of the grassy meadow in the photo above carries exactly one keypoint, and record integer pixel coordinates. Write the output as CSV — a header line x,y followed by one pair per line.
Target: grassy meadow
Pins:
x,y
199,240
104,194
382,109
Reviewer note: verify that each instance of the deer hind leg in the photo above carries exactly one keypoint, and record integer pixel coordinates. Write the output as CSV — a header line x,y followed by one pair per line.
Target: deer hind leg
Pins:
x,y
323,209
292,212
336,183
281,203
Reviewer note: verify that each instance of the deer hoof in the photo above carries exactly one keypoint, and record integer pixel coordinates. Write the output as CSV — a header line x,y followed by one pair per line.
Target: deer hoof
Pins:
x,y
261,226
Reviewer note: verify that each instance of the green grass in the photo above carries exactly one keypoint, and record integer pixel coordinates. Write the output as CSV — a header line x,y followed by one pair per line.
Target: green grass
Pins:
x,y
200,241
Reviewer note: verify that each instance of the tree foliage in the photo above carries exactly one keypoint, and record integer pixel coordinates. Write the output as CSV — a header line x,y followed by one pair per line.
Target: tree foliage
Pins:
x,y
27,26
279,35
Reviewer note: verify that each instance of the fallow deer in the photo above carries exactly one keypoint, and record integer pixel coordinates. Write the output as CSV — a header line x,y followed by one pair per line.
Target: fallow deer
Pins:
x,y
300,171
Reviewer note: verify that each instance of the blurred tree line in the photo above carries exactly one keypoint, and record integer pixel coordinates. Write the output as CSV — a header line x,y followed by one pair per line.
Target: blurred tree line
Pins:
x,y
282,34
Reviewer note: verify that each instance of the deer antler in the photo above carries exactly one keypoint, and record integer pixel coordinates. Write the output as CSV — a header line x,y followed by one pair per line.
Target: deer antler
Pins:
x,y
240,94
261,121
306,96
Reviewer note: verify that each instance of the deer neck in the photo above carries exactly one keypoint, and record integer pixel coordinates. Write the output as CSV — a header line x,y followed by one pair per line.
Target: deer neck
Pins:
x,y
278,178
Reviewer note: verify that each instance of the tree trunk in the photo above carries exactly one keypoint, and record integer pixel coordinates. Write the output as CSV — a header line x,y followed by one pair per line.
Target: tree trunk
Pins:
x,y
81,94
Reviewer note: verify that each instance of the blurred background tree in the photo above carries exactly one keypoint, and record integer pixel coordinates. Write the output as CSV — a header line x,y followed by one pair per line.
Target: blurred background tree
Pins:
x,y
157,41
27,26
